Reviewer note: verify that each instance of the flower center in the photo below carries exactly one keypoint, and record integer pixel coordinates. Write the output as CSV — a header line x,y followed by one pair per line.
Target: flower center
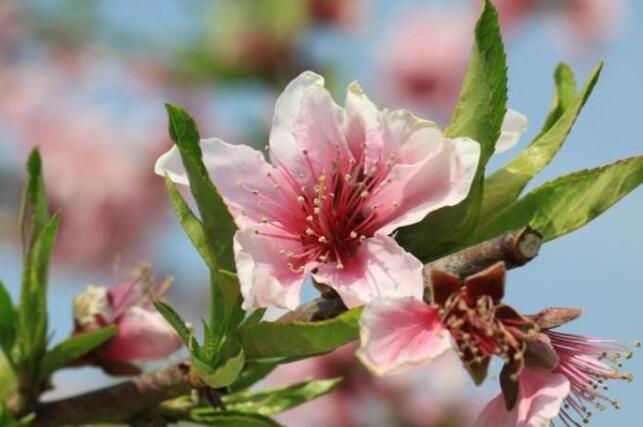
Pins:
x,y
331,211
478,331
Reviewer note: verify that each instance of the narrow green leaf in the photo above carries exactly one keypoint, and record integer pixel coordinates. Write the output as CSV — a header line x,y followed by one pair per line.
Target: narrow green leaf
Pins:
x,y
175,320
505,185
226,305
251,374
34,212
563,96
478,115
218,222
232,419
221,374
569,202
275,400
8,383
5,417
36,230
483,99
73,348
8,322
192,226
274,339
254,318
33,308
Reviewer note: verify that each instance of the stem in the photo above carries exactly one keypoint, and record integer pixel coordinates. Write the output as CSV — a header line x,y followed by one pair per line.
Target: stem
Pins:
x,y
128,400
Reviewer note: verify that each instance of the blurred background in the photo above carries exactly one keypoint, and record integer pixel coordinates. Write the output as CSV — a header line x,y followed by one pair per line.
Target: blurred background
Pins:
x,y
86,82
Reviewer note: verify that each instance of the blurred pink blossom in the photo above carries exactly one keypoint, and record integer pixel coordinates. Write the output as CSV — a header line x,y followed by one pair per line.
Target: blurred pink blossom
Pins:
x,y
435,397
98,164
13,25
425,58
583,24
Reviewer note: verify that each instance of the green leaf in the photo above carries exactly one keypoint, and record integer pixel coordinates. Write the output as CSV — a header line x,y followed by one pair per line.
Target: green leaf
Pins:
x,y
275,400
73,348
192,226
505,185
34,212
33,307
5,417
218,222
232,419
251,374
478,115
569,202
8,322
563,97
294,339
8,383
175,320
213,239
254,318
226,306
222,374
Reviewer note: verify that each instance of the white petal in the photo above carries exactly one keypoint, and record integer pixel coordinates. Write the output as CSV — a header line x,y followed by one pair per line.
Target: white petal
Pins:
x,y
170,163
514,125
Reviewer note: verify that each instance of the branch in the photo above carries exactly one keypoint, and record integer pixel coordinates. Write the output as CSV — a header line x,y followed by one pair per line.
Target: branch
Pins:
x,y
120,402
124,401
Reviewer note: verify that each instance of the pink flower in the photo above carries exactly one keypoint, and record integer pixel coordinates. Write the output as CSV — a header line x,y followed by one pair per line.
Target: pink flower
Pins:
x,y
540,396
341,181
399,333
588,363
143,334
575,385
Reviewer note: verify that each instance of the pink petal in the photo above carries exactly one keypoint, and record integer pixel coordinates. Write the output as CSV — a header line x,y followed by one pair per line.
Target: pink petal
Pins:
x,y
409,138
363,124
443,178
306,120
514,125
399,333
240,174
379,268
263,273
142,335
540,396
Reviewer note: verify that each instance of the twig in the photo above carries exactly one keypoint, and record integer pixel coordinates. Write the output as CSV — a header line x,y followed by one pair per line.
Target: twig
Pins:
x,y
123,402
